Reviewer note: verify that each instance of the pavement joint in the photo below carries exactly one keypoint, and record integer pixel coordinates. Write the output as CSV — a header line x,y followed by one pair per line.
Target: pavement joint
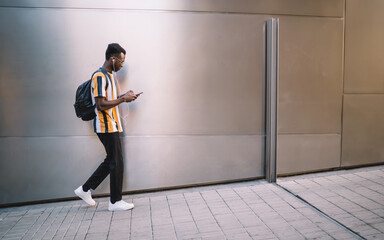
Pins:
x,y
323,214
331,205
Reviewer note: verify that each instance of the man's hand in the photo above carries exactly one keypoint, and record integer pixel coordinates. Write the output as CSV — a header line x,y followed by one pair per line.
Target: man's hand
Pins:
x,y
103,104
129,96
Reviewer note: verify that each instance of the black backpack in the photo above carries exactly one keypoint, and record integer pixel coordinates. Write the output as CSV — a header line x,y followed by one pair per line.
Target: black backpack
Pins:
x,y
83,104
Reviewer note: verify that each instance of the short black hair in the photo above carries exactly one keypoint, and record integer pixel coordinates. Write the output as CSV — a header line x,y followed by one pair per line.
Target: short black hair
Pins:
x,y
113,49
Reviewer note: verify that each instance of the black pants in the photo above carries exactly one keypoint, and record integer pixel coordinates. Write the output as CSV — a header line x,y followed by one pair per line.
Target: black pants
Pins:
x,y
113,165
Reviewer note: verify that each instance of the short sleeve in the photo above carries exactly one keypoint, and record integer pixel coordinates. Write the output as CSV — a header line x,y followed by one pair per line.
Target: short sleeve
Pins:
x,y
99,83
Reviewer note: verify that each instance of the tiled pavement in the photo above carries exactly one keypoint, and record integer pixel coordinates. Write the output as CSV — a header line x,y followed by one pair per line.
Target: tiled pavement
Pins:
x,y
353,198
333,205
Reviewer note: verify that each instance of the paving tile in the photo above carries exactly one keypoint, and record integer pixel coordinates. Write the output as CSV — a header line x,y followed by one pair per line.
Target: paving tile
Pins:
x,y
216,235
96,236
352,200
375,236
118,236
248,210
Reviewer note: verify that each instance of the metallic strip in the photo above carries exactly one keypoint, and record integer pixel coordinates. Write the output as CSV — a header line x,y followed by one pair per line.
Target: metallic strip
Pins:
x,y
272,75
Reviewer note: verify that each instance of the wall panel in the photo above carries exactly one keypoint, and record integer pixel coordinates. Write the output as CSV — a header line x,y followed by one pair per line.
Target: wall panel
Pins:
x,y
191,84
363,84
52,167
310,75
363,128
364,58
158,162
200,119
42,168
310,94
308,152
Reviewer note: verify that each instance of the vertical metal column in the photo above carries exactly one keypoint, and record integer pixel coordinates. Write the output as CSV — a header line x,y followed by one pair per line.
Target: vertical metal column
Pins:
x,y
272,75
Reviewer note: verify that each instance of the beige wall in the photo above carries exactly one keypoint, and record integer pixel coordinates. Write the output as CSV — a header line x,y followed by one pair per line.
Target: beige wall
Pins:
x,y
363,113
200,119
201,65
310,94
331,108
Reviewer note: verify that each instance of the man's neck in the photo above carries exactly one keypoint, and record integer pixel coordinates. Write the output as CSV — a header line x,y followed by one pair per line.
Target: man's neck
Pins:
x,y
107,66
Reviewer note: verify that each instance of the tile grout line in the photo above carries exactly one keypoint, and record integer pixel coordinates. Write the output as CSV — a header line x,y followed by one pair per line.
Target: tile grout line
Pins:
x,y
61,221
46,220
150,217
301,213
48,212
71,221
230,209
31,224
296,197
190,211
321,213
82,218
346,186
91,220
341,196
277,195
353,190
64,219
357,203
130,220
261,219
9,230
170,214
110,224
213,215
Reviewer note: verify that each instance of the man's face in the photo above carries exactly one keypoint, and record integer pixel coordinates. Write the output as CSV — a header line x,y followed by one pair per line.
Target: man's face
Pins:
x,y
119,61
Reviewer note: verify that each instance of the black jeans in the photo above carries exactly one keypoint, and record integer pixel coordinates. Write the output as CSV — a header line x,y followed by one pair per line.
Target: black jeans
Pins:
x,y
113,165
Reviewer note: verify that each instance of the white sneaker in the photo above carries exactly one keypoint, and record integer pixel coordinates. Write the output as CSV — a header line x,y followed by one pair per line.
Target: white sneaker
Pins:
x,y
120,206
86,196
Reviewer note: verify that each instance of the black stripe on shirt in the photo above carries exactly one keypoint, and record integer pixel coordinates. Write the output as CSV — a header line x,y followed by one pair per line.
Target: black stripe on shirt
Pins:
x,y
99,86
105,121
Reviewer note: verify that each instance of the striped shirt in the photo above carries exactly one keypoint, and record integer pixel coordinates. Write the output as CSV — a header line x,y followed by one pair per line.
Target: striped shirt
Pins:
x,y
107,121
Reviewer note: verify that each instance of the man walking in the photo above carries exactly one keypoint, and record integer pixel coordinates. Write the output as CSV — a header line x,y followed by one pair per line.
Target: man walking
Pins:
x,y
108,126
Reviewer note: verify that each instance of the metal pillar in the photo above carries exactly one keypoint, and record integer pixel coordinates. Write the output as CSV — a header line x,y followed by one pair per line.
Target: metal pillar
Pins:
x,y
272,77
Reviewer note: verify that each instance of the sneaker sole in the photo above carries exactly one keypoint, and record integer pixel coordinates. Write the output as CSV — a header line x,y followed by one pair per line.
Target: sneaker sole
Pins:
x,y
114,210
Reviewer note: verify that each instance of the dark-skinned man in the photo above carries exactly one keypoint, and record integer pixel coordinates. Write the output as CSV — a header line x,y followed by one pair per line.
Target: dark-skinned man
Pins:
x,y
108,126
